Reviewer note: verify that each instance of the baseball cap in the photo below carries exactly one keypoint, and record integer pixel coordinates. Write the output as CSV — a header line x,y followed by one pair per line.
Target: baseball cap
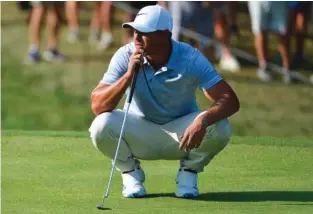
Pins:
x,y
150,19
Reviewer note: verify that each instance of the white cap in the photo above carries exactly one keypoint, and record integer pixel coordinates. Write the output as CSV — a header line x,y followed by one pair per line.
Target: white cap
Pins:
x,y
150,19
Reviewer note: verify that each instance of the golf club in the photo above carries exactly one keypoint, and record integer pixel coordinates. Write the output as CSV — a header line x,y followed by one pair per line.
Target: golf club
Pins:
x,y
129,99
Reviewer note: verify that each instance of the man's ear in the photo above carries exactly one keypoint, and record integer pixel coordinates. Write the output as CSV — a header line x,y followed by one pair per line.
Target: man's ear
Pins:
x,y
169,34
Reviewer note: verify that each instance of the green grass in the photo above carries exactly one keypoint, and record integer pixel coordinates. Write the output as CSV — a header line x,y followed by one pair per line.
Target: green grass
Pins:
x,y
61,172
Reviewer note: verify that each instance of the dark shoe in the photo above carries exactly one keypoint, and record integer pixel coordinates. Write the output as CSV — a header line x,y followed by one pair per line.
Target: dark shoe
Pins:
x,y
53,56
32,57
300,62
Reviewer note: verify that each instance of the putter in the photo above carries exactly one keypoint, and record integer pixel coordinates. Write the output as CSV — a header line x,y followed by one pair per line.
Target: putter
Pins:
x,y
129,99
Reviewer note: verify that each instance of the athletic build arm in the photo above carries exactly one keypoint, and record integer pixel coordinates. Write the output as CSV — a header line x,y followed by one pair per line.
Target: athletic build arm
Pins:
x,y
225,104
105,98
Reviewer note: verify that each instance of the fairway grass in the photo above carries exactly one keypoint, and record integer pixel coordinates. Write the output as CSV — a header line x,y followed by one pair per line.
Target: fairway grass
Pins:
x,y
61,172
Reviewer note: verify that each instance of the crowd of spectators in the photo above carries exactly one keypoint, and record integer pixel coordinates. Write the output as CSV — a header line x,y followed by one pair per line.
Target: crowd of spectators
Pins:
x,y
212,19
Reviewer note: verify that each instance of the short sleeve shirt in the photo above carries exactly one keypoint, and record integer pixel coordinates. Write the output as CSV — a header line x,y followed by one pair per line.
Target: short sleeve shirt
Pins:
x,y
169,93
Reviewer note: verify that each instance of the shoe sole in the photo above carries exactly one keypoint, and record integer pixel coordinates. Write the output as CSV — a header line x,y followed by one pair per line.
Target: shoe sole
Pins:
x,y
135,196
53,60
142,193
187,195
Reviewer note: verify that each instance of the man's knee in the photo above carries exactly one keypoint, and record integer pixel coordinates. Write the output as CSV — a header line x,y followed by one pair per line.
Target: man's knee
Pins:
x,y
222,130
217,137
100,126
104,133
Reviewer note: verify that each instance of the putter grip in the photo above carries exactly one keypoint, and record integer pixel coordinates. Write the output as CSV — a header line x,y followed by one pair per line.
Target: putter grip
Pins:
x,y
133,83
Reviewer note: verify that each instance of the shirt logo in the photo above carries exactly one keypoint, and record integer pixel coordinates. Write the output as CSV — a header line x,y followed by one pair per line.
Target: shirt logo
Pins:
x,y
173,78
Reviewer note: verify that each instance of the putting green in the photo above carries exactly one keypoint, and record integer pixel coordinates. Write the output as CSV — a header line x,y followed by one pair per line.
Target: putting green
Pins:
x,y
61,172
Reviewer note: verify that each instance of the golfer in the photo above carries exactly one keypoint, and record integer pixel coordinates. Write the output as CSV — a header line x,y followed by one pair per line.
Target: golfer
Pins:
x,y
164,121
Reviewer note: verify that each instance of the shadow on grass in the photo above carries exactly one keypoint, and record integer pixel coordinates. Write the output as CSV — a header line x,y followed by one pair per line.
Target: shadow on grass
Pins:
x,y
104,208
295,196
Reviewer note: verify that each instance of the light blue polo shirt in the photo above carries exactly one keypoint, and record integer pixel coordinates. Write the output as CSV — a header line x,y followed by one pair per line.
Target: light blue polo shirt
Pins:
x,y
169,93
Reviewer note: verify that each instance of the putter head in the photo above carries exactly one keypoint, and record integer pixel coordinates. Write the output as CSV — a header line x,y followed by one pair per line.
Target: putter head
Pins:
x,y
101,207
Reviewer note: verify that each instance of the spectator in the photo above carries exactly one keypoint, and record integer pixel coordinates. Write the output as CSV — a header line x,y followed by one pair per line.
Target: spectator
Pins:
x,y
299,15
100,28
233,27
38,11
222,32
72,16
269,16
191,14
201,15
102,22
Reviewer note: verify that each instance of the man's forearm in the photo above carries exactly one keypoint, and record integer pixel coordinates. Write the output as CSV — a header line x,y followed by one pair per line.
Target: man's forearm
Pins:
x,y
106,99
223,108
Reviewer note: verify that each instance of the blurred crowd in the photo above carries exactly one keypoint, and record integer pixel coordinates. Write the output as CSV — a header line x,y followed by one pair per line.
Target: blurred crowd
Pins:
x,y
212,19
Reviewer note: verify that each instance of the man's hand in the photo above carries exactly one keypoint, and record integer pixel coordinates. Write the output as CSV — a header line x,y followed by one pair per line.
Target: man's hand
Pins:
x,y
105,98
135,58
193,135
225,104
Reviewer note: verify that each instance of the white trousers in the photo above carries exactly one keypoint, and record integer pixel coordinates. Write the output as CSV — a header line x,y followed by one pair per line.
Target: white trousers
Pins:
x,y
145,140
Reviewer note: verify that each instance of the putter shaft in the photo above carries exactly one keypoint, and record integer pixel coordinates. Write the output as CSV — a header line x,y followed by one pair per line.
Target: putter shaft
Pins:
x,y
129,99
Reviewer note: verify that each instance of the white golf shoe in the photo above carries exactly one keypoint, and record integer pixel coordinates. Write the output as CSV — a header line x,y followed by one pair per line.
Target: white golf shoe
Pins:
x,y
229,63
264,75
133,183
187,182
106,41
